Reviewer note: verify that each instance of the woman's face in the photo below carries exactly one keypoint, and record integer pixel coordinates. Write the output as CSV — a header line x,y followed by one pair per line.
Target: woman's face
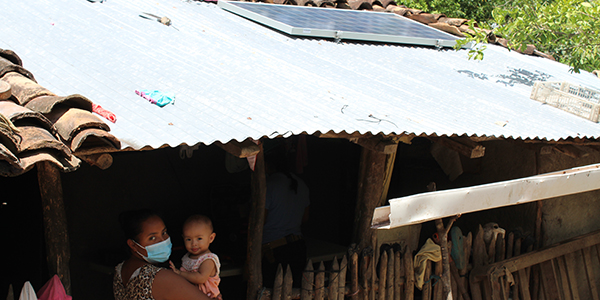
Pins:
x,y
153,231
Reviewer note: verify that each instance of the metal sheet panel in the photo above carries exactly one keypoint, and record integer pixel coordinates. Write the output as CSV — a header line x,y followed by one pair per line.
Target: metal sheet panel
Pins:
x,y
236,79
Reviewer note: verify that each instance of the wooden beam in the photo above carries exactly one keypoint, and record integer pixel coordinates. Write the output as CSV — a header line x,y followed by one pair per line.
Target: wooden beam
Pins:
x,y
464,146
375,173
244,149
538,256
255,226
377,144
100,160
571,151
58,251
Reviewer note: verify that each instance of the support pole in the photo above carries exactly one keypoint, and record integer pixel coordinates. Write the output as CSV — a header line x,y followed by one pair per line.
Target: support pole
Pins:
x,y
255,226
375,173
58,251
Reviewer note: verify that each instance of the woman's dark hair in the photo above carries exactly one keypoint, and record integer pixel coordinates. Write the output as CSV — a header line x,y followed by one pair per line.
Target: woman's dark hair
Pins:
x,y
131,221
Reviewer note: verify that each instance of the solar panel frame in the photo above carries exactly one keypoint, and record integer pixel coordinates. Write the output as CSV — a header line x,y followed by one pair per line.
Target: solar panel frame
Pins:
x,y
266,13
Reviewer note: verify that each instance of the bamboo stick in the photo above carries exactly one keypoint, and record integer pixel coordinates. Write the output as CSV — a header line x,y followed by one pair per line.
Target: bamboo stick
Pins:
x,y
365,274
308,279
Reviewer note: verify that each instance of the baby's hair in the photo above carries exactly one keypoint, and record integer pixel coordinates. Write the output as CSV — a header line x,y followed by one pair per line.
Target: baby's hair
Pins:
x,y
198,219
131,221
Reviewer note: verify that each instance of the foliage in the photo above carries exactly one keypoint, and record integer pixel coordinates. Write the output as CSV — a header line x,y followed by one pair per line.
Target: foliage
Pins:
x,y
468,9
569,30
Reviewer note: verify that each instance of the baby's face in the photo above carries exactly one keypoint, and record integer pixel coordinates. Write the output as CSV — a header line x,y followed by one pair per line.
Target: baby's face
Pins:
x,y
197,238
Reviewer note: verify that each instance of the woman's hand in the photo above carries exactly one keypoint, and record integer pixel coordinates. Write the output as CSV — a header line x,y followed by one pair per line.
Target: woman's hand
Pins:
x,y
175,270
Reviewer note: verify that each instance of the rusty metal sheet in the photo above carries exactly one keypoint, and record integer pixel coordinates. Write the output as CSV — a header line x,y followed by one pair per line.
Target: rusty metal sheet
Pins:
x,y
74,120
45,104
17,114
23,88
94,138
35,138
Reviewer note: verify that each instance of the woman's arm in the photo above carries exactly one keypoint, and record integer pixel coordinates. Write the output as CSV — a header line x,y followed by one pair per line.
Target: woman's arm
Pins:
x,y
170,286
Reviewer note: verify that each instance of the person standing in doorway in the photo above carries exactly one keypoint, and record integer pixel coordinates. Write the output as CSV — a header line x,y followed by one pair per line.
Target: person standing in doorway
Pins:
x,y
287,206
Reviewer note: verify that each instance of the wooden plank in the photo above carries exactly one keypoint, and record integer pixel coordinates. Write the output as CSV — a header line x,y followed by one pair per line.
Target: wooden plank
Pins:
x,y
591,277
409,272
570,263
278,284
535,257
464,146
377,144
58,250
515,287
100,160
564,278
256,222
286,293
320,283
383,265
510,245
375,173
549,280
307,282
342,281
334,278
390,276
244,149
523,285
500,248
571,151
398,276
354,276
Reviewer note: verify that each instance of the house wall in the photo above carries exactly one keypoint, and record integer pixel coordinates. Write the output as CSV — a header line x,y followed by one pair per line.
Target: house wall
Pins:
x,y
177,188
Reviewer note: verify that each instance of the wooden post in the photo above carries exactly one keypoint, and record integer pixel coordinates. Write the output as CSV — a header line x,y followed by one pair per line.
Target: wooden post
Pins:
x,y
342,281
278,284
334,278
286,292
398,275
375,172
307,282
58,251
390,275
354,276
409,273
383,265
320,283
255,226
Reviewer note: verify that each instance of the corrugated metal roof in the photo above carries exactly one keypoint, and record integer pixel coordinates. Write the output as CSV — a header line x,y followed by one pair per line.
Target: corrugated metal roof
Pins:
x,y
235,79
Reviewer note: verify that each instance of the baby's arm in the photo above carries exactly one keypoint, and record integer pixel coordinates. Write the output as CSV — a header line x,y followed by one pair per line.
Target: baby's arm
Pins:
x,y
206,270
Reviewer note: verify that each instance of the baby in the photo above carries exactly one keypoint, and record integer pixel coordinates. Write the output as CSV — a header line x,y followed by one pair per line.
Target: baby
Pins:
x,y
199,265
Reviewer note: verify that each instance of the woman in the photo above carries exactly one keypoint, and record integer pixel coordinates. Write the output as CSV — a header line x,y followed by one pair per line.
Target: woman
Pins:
x,y
138,278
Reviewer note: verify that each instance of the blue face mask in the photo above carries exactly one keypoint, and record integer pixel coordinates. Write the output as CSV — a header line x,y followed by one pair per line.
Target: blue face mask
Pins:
x,y
157,253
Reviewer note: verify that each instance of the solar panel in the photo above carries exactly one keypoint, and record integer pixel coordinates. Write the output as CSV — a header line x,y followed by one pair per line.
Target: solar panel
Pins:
x,y
341,23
